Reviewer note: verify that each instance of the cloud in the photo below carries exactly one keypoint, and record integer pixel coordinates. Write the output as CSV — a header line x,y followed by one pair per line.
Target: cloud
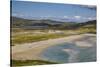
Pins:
x,y
77,17
65,16
19,14
72,17
91,18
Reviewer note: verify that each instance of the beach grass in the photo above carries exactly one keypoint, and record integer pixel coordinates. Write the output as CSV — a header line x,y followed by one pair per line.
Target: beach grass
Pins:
x,y
30,62
27,36
17,39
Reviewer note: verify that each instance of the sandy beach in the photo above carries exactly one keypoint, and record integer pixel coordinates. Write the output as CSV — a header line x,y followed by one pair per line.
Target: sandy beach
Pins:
x,y
31,51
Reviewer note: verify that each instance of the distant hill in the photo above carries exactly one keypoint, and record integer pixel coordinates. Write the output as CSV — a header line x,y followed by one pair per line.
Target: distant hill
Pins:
x,y
88,24
45,24
26,23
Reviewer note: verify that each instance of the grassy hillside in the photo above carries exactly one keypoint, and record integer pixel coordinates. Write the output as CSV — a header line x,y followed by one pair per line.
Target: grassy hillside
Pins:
x,y
88,27
38,24
47,24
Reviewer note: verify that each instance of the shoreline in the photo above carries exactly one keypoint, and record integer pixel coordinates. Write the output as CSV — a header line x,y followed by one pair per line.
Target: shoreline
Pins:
x,y
31,51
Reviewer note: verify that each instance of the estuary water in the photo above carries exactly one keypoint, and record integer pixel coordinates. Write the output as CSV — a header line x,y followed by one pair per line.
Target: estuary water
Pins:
x,y
69,53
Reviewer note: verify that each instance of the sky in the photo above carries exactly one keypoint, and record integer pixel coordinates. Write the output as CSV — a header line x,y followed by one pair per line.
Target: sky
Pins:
x,y
53,11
